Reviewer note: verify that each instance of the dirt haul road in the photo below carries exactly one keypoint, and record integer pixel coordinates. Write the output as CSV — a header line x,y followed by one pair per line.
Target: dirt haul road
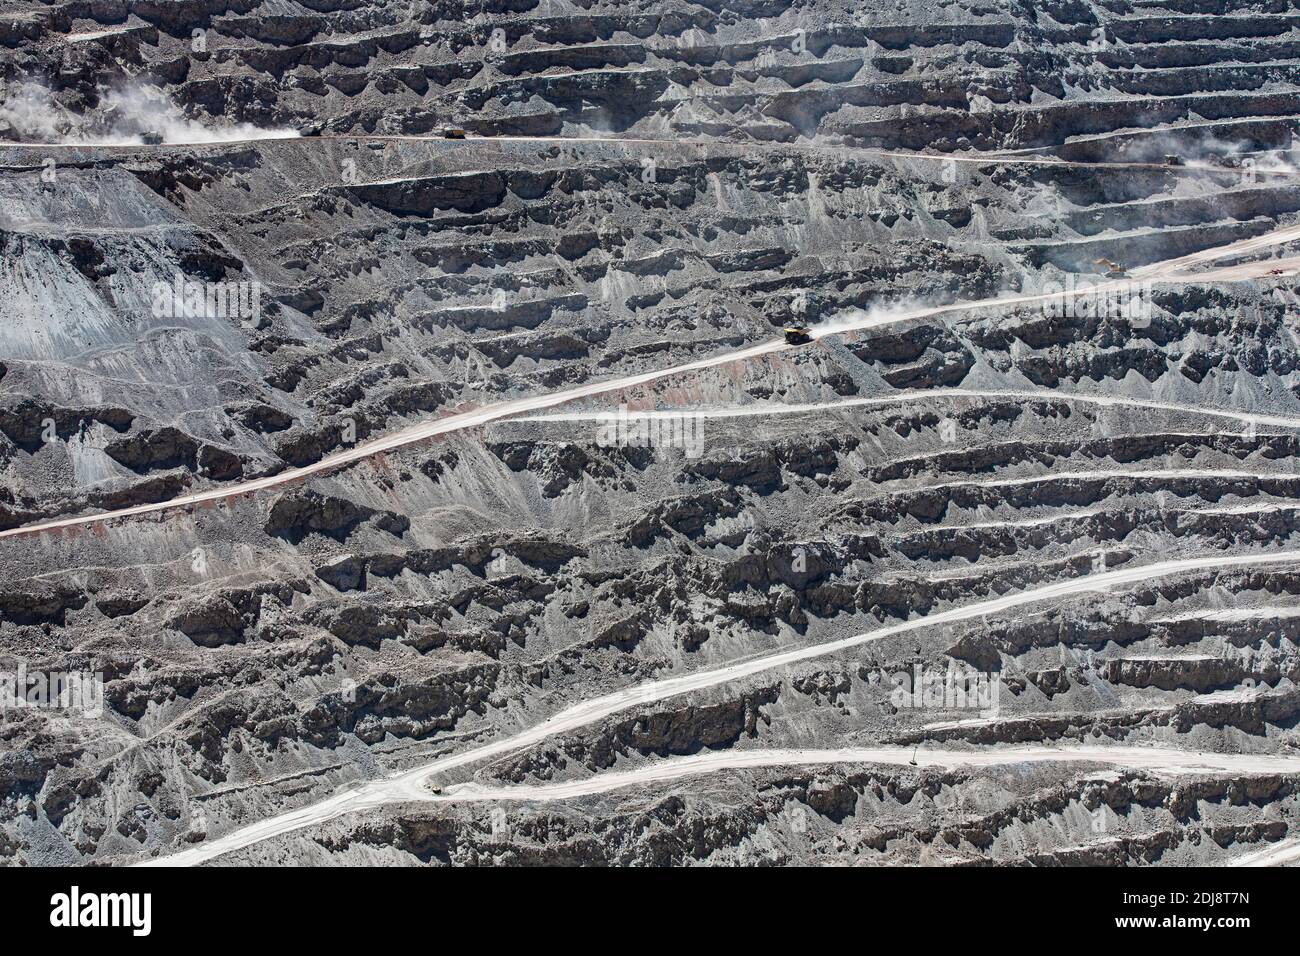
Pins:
x,y
1008,158
501,410
410,784
1151,759
934,394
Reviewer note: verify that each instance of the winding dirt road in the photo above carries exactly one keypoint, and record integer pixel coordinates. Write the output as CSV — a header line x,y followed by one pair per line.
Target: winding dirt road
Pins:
x,y
762,409
491,413
1157,760
1007,158
1282,853
410,784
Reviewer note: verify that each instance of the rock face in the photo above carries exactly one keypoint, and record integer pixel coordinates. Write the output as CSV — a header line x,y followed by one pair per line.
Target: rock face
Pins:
x,y
298,514
259,282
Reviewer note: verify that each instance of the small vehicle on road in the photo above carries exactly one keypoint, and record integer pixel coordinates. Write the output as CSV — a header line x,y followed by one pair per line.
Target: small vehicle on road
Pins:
x,y
435,790
453,132
1173,160
151,138
797,334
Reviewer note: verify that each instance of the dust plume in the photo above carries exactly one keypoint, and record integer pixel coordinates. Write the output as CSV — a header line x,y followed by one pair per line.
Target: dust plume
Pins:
x,y
131,115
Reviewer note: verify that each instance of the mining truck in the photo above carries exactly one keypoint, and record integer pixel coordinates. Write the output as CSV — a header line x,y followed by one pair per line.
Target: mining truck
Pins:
x,y
1113,270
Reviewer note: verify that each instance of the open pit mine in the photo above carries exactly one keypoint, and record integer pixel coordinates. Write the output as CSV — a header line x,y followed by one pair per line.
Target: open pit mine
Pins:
x,y
578,432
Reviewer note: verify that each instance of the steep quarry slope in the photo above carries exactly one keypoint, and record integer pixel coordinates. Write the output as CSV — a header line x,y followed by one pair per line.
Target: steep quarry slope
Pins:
x,y
946,75
684,649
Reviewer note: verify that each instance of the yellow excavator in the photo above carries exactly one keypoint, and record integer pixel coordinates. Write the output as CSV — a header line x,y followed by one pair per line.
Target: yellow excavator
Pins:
x,y
1113,269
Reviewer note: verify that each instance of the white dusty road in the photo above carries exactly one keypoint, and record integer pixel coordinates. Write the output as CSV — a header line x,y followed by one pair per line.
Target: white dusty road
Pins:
x,y
1009,158
1102,474
491,413
410,784
1260,269
1282,853
1180,267
906,398
1151,759
1157,131
399,439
